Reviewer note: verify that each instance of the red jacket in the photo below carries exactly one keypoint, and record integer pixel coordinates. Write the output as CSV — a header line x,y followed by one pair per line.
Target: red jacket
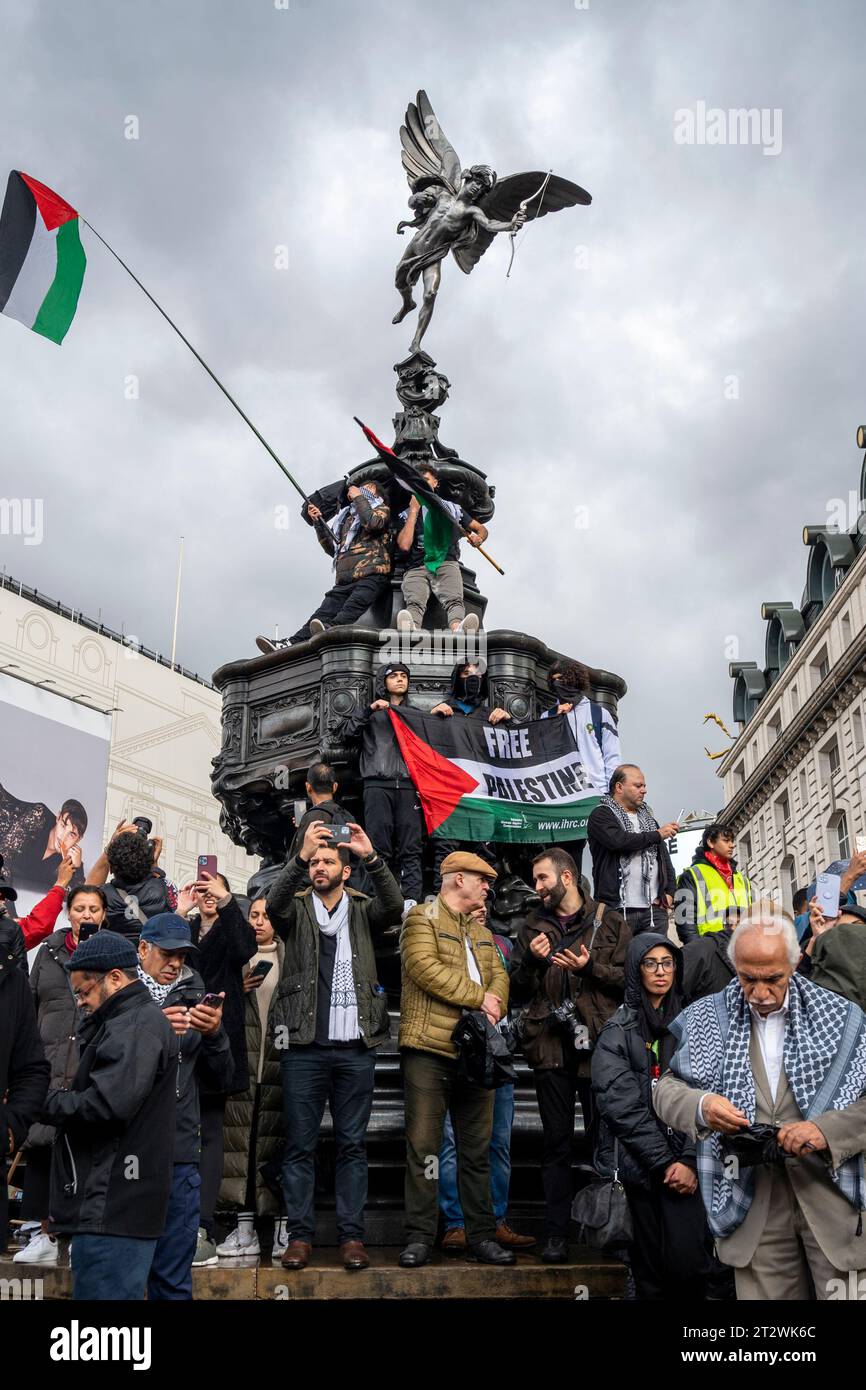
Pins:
x,y
40,922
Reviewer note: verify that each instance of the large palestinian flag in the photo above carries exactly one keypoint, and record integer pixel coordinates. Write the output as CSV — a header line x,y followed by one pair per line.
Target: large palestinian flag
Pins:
x,y
41,257
518,783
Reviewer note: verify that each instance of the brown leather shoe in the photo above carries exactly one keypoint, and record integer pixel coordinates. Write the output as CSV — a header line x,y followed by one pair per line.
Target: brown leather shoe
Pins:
x,y
454,1241
510,1239
296,1254
354,1255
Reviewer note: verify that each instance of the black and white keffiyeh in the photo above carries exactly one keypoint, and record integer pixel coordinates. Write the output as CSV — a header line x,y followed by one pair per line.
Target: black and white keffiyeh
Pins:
x,y
824,1059
158,992
343,1023
646,822
345,525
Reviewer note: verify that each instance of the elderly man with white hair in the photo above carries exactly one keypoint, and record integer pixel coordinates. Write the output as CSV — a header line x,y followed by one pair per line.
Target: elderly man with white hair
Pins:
x,y
774,1049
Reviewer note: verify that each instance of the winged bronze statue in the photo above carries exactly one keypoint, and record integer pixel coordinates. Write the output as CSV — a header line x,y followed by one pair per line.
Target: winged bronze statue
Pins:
x,y
460,210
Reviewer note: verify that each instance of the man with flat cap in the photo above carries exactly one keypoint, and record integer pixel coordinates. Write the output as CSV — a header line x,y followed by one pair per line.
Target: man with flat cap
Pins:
x,y
450,964
111,1164
204,1055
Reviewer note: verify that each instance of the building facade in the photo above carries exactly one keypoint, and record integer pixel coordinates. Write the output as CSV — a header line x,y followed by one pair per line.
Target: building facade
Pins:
x,y
165,725
794,776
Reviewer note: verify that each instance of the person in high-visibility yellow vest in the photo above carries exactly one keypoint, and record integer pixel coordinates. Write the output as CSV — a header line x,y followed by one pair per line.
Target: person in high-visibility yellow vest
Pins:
x,y
711,893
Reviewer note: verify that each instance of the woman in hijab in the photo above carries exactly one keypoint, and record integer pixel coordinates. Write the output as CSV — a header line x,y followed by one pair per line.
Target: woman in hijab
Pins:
x,y
657,1166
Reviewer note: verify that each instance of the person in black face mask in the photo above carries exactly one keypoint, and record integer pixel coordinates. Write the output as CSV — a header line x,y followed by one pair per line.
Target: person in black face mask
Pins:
x,y
465,697
593,727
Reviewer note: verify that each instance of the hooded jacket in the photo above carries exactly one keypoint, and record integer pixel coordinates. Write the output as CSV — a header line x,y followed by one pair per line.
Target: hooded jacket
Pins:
x,y
595,732
380,759
201,1058
454,695
622,1084
596,991
121,1105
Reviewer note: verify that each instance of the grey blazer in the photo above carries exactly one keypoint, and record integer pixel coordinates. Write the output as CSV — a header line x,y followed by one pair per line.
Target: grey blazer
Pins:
x,y
830,1216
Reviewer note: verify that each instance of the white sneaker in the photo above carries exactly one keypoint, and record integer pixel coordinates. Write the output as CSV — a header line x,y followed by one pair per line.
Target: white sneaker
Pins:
x,y
405,621
42,1250
281,1240
469,623
240,1242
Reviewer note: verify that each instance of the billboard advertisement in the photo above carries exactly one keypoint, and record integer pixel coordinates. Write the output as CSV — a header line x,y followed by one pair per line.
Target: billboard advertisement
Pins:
x,y
53,776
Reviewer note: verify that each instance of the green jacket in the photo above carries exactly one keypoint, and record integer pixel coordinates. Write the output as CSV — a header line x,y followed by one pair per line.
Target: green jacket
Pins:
x,y
839,961
292,1019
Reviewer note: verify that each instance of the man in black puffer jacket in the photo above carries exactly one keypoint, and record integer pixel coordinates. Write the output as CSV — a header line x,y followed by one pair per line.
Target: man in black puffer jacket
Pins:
x,y
24,1071
112,1161
392,813
658,1168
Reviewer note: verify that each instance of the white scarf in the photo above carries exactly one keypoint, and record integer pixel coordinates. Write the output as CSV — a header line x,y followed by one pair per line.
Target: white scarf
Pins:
x,y
343,1022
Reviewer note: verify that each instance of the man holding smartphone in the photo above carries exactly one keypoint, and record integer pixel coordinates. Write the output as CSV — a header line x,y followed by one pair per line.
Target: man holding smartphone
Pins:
x,y
203,1055
329,1017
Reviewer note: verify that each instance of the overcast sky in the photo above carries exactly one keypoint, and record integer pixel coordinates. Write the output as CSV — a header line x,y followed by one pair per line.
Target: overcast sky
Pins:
x,y
680,365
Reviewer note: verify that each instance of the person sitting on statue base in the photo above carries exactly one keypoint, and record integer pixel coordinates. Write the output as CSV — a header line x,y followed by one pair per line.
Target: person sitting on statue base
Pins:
x,y
432,552
359,540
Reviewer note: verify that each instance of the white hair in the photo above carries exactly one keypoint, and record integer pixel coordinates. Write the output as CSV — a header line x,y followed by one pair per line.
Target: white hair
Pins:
x,y
774,921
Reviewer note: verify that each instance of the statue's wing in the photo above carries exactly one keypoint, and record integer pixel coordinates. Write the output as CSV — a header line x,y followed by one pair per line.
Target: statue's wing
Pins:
x,y
427,153
502,202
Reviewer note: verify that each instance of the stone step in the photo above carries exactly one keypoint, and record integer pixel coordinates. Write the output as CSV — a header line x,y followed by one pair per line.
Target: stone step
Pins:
x,y
446,1277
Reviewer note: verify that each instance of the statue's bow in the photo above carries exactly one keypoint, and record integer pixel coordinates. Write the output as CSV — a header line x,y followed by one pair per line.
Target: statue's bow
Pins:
x,y
523,206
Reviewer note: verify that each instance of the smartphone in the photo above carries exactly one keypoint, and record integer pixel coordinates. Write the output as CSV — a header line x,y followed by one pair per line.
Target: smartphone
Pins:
x,y
827,892
211,1001
860,844
207,863
262,968
340,834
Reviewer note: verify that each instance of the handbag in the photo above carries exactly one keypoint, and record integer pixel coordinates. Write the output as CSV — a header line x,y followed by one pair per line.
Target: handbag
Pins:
x,y
601,1212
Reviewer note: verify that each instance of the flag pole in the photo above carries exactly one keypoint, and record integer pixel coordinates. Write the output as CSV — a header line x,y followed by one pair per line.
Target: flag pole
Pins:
x,y
176,603
229,397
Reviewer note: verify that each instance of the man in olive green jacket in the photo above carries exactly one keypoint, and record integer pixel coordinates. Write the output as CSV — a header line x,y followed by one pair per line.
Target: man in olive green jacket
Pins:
x,y
329,1015
450,963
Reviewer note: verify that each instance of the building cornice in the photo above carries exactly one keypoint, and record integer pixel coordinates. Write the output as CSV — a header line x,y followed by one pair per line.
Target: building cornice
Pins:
x,y
816,634
834,694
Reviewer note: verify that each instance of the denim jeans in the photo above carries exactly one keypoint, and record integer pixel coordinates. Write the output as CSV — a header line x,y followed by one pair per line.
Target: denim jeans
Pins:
x,y
110,1268
500,1163
343,1078
171,1271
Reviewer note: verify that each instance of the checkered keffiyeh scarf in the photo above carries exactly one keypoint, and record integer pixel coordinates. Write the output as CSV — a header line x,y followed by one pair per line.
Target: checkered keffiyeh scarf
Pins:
x,y
343,1023
345,526
648,857
824,1060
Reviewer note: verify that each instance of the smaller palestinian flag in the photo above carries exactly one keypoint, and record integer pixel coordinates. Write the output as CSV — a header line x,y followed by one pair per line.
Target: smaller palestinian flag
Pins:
x,y
42,260
517,783
441,517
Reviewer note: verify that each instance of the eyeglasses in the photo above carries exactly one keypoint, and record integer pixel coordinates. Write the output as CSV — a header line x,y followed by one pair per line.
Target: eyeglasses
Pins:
x,y
657,965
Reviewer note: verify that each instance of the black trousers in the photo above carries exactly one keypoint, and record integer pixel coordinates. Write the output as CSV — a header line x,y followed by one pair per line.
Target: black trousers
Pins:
x,y
392,819
213,1113
653,919
557,1090
669,1254
345,603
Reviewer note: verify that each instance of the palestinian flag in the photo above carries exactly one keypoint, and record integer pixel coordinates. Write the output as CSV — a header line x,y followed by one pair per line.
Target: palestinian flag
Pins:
x,y
512,783
41,257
